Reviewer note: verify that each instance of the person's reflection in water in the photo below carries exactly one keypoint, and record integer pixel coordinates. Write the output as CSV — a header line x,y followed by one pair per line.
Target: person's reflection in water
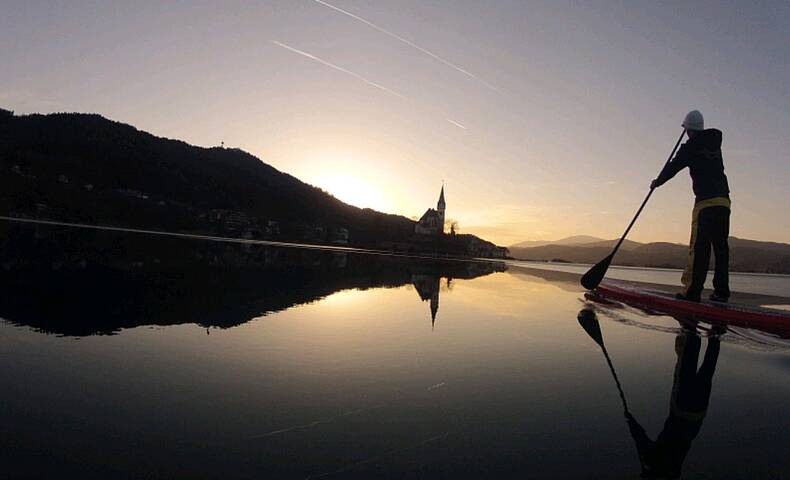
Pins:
x,y
691,389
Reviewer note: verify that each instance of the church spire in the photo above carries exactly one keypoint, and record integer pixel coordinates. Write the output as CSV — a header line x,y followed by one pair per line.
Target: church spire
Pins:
x,y
440,208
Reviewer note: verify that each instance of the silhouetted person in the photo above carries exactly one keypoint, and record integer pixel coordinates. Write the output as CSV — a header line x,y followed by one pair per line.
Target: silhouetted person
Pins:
x,y
710,219
664,457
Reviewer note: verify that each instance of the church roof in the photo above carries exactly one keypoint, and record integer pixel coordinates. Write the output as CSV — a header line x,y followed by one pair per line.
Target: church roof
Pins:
x,y
428,214
441,197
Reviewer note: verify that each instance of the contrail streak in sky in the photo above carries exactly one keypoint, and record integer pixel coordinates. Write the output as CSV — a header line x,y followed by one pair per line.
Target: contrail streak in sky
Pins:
x,y
455,123
338,68
409,43
355,75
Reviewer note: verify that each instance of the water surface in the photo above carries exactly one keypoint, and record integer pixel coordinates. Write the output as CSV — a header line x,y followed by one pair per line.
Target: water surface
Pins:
x,y
757,283
125,356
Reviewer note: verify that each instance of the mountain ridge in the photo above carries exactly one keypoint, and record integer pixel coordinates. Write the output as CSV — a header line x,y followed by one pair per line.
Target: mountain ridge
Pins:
x,y
572,240
745,255
577,240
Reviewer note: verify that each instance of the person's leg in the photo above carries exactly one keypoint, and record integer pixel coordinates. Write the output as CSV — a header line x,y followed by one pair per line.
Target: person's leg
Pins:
x,y
686,278
721,250
687,347
699,254
708,367
704,380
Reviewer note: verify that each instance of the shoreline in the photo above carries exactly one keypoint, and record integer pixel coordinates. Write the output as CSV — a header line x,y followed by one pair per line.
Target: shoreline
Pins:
x,y
570,281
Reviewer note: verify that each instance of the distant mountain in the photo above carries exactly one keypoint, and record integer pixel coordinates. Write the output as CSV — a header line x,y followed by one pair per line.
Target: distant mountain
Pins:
x,y
86,168
585,240
627,244
573,240
745,255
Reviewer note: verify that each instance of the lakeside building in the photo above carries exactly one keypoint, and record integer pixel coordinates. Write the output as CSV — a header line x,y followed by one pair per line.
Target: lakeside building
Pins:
x,y
432,221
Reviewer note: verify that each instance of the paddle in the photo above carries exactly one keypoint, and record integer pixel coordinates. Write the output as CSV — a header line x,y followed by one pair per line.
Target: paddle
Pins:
x,y
589,322
594,275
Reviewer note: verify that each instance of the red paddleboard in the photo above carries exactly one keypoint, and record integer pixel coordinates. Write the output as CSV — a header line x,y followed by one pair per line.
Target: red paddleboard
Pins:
x,y
728,313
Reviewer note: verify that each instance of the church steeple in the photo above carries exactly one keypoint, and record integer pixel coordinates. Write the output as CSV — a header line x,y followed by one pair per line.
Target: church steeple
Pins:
x,y
440,206
434,304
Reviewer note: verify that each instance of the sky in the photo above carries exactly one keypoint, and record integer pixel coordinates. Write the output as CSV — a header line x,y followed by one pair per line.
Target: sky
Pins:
x,y
543,119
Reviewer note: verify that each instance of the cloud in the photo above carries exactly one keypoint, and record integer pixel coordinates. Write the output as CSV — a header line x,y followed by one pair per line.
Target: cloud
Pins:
x,y
338,68
409,43
592,214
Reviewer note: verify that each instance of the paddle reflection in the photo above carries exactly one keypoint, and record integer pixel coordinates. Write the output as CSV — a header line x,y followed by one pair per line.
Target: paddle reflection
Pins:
x,y
691,390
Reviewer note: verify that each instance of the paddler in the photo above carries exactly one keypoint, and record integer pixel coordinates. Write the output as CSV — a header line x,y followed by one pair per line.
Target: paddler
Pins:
x,y
710,218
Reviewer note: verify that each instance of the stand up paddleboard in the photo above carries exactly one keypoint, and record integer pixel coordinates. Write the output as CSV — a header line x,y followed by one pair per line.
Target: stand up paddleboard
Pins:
x,y
727,313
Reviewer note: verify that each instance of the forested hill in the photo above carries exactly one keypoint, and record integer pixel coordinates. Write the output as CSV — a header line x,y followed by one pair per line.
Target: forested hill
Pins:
x,y
84,167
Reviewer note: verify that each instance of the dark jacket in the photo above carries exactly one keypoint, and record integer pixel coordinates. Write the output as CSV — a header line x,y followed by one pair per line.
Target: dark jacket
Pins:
x,y
702,154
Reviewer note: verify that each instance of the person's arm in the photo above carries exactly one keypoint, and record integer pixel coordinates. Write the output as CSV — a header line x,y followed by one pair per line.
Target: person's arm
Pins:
x,y
682,160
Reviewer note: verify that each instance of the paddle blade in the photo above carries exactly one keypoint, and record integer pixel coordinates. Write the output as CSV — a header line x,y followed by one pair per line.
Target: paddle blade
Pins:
x,y
594,275
589,323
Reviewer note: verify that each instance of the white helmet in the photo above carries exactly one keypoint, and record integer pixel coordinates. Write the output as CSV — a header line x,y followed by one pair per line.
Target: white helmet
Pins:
x,y
693,121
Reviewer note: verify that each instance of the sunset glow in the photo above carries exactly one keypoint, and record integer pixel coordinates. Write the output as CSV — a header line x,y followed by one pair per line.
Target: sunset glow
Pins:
x,y
378,103
352,190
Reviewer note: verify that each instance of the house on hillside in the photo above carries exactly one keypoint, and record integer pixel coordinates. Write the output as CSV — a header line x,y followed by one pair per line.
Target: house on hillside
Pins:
x,y
231,222
339,236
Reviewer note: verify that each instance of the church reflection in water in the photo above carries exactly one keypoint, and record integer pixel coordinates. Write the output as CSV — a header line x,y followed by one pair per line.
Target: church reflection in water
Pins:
x,y
76,282
427,287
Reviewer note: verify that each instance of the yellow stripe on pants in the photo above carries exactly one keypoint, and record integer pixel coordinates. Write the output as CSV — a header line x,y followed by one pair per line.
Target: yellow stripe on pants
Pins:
x,y
688,273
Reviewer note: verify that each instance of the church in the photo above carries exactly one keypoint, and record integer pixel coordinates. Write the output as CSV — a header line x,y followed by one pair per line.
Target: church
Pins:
x,y
432,221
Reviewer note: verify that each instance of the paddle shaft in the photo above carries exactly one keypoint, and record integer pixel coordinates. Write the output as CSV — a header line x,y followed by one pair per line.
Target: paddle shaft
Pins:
x,y
641,207
616,380
589,322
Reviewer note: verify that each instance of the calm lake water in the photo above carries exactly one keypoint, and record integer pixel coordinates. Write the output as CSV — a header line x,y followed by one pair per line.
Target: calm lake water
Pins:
x,y
128,356
764,284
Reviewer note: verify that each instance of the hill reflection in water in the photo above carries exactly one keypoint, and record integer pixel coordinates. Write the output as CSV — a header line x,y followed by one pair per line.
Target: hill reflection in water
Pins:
x,y
76,283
